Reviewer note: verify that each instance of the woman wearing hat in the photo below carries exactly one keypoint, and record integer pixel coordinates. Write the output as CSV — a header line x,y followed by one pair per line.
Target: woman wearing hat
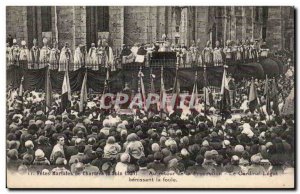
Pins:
x,y
134,147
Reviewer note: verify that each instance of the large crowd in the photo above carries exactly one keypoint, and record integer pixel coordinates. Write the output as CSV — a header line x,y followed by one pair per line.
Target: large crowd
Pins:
x,y
98,142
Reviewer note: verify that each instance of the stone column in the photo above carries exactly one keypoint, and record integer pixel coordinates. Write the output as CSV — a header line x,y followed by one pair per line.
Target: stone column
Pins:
x,y
274,28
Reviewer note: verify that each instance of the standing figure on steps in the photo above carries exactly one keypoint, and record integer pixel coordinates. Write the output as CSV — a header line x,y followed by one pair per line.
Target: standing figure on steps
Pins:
x,y
24,55
54,57
44,54
217,55
207,54
65,58
34,55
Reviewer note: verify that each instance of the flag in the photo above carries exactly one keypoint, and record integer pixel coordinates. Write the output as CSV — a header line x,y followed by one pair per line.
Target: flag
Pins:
x,y
152,77
253,102
194,97
207,92
176,89
66,92
163,94
19,99
48,90
267,96
274,97
225,101
83,93
106,82
142,88
21,89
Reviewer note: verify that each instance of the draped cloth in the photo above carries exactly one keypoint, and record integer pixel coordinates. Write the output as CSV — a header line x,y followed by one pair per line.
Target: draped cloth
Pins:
x,y
35,78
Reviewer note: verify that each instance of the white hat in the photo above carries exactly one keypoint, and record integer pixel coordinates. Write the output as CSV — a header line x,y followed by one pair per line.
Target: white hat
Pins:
x,y
23,42
235,158
184,152
226,142
205,143
125,157
29,143
45,40
48,122
14,40
239,148
155,147
39,153
255,159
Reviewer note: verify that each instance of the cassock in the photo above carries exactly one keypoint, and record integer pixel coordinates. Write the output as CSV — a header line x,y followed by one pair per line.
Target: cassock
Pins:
x,y
34,57
15,49
44,57
24,56
78,59
65,58
9,58
54,58
93,58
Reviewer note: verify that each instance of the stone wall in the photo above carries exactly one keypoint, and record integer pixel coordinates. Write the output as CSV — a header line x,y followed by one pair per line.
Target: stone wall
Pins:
x,y
16,22
80,25
66,26
274,28
116,26
202,25
136,24
147,24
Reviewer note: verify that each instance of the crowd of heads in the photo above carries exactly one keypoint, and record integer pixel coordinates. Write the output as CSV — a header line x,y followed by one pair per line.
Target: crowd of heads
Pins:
x,y
96,142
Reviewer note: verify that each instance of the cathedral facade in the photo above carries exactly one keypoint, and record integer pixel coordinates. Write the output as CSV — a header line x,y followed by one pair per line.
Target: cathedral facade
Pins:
x,y
130,24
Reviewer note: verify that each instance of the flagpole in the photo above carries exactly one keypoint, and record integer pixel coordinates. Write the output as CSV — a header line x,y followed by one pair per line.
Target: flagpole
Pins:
x,y
205,85
223,93
161,92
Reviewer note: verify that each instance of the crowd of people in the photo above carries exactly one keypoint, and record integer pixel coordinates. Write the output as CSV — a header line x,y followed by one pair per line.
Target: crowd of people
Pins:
x,y
96,142
102,55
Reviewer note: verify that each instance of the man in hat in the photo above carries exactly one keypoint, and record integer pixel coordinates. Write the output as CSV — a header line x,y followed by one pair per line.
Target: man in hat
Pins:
x,y
93,57
60,169
207,54
79,57
217,54
9,40
44,54
24,55
15,49
8,55
65,58
109,62
54,56
34,55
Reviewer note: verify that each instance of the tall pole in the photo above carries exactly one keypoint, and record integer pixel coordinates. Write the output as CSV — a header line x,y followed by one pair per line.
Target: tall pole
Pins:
x,y
55,21
205,88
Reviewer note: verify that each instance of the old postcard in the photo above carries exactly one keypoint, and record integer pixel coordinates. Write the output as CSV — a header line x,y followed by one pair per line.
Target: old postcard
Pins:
x,y
150,97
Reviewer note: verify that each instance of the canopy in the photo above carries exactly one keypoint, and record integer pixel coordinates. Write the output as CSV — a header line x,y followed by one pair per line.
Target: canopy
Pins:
x,y
249,70
270,67
281,66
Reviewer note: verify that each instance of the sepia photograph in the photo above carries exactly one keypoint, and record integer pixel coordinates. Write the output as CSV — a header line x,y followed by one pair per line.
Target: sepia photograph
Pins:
x,y
154,97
